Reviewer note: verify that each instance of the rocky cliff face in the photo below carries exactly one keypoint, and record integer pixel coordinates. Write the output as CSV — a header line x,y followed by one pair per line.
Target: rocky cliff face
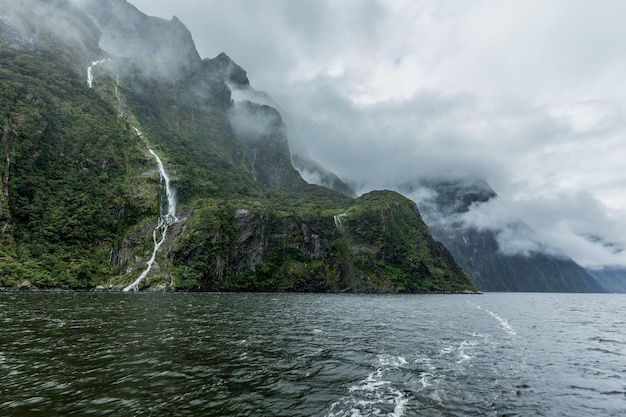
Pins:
x,y
160,48
612,279
315,173
80,190
478,251
262,131
378,244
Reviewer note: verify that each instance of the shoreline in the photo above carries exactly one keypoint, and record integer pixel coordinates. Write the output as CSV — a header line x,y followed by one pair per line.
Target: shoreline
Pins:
x,y
118,289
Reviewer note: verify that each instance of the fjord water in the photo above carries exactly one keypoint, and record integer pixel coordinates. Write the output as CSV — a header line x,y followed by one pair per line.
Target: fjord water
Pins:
x,y
184,354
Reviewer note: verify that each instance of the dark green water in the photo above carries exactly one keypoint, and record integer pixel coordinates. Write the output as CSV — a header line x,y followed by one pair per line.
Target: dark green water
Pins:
x,y
89,354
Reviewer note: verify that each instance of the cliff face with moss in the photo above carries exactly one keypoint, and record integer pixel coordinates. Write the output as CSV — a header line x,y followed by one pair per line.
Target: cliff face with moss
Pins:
x,y
377,242
81,192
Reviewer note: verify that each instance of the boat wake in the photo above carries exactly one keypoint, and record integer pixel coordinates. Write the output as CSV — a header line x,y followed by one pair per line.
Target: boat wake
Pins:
x,y
378,394
504,324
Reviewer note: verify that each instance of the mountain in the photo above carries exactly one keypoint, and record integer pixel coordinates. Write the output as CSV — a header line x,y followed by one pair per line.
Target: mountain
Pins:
x,y
315,173
612,279
128,161
479,252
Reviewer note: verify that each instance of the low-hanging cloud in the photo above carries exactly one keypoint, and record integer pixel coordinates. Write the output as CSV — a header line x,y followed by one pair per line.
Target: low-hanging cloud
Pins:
x,y
28,22
572,224
529,96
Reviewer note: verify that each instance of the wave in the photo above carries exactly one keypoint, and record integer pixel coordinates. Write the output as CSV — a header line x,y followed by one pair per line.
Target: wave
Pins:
x,y
375,394
504,324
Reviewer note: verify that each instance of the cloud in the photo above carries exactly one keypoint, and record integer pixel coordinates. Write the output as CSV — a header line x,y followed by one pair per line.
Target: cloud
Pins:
x,y
28,22
527,95
572,224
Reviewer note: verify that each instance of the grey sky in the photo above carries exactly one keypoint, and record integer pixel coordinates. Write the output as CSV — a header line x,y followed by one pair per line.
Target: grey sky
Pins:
x,y
529,95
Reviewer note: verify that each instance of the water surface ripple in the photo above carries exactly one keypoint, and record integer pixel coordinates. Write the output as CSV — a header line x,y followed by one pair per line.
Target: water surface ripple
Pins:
x,y
99,354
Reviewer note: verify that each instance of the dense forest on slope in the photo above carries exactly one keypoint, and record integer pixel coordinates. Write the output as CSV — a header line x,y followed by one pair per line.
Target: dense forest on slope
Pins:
x,y
81,193
68,161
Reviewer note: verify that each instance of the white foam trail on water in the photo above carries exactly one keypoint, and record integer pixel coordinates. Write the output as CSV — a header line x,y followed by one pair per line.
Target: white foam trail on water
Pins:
x,y
428,374
376,391
504,324
462,352
166,217
446,350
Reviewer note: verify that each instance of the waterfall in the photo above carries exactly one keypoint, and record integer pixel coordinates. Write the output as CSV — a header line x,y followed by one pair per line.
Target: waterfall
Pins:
x,y
135,285
167,216
120,109
337,219
90,68
90,71
168,213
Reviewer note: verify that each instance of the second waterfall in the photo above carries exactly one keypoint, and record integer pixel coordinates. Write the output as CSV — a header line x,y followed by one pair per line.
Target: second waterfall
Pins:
x,y
167,216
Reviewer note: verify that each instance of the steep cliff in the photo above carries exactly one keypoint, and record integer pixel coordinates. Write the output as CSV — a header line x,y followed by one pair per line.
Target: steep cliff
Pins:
x,y
83,117
612,279
68,159
478,250
377,243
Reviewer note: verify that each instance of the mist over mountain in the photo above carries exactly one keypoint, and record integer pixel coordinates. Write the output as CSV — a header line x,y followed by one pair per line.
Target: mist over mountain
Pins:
x,y
161,48
315,173
496,256
230,148
526,96
130,162
612,279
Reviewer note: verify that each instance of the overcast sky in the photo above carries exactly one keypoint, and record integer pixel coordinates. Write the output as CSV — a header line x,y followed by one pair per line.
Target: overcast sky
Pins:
x,y
529,95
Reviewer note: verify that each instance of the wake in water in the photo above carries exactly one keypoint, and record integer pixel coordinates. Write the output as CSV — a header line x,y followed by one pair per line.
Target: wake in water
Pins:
x,y
376,394
471,365
504,324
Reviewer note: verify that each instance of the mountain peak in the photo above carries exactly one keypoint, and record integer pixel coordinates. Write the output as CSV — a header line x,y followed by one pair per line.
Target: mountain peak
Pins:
x,y
161,48
226,70
31,24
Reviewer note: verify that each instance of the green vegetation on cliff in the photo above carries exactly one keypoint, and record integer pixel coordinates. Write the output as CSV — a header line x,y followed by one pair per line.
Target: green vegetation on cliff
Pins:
x,y
68,161
80,191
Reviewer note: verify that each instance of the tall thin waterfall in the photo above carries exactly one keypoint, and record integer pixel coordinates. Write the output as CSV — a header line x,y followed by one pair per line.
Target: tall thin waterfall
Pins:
x,y
167,216
90,71
168,213
337,219
120,108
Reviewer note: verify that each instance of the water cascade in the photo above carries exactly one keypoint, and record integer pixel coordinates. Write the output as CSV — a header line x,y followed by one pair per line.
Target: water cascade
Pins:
x,y
90,71
120,109
167,216
337,220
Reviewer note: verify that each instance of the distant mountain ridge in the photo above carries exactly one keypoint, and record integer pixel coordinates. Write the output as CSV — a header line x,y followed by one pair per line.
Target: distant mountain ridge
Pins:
x,y
612,279
478,251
